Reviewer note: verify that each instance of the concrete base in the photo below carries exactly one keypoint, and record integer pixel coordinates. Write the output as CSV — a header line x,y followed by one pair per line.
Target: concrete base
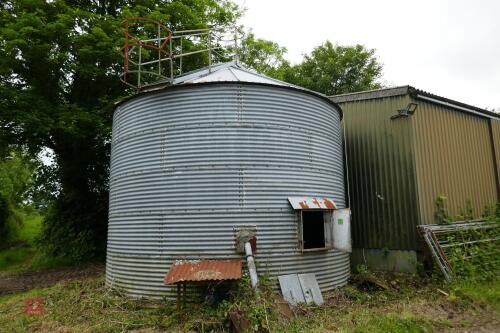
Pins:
x,y
385,260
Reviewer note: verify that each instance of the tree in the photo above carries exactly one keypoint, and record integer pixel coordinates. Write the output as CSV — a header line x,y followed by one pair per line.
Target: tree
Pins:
x,y
16,172
59,77
16,176
334,69
264,56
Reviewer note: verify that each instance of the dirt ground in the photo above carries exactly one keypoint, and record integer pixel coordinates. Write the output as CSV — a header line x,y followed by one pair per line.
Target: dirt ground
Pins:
x,y
16,282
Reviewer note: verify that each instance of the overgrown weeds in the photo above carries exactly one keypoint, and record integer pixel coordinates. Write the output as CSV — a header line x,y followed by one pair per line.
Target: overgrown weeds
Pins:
x,y
254,310
410,304
472,252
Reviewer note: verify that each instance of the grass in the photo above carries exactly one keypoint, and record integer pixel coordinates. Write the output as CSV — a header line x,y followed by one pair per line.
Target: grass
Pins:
x,y
82,306
32,225
412,305
23,254
371,312
477,292
20,253
364,320
42,261
16,258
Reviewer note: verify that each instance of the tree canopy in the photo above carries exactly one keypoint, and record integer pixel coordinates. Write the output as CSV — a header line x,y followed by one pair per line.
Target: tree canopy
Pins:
x,y
59,77
264,56
16,176
60,63
329,69
333,69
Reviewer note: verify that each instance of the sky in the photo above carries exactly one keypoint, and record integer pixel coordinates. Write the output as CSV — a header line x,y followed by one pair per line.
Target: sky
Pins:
x,y
449,48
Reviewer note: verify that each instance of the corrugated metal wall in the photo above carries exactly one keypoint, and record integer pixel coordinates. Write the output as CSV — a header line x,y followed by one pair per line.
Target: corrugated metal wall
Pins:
x,y
188,164
495,138
383,196
454,158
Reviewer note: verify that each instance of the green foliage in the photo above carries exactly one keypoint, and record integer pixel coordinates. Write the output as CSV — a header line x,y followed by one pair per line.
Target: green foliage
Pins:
x,y
362,270
9,232
474,291
335,69
441,215
256,306
59,68
472,253
468,214
40,261
4,214
16,170
32,223
20,251
23,253
14,258
264,56
475,254
491,211
59,77
329,69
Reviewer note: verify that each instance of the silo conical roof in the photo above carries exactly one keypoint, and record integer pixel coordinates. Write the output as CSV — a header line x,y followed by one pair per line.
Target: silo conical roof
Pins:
x,y
232,71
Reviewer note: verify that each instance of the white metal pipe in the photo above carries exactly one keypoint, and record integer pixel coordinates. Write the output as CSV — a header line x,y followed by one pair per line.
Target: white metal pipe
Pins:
x,y
251,265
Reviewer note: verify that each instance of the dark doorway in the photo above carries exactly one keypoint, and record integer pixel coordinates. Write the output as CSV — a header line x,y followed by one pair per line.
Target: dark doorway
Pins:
x,y
313,229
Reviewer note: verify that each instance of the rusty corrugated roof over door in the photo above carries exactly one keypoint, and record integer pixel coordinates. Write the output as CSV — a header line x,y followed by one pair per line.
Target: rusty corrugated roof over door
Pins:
x,y
312,203
203,270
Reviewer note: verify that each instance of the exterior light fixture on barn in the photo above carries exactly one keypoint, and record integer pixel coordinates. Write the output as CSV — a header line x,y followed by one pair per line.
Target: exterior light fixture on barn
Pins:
x,y
405,147
219,150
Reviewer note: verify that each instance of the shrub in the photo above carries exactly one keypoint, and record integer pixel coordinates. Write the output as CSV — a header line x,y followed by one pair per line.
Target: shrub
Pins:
x,y
4,214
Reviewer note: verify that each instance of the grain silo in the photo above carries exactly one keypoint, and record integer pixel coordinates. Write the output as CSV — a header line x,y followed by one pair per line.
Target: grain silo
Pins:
x,y
223,148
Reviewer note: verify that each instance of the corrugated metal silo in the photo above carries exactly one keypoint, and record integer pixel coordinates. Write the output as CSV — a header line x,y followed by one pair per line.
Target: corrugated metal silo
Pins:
x,y
220,149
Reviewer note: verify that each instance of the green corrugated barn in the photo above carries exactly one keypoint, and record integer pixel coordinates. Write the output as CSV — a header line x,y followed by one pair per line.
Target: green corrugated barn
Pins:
x,y
405,147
